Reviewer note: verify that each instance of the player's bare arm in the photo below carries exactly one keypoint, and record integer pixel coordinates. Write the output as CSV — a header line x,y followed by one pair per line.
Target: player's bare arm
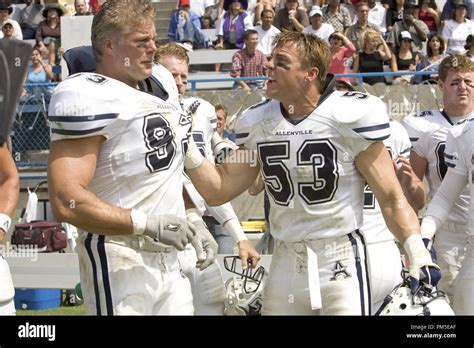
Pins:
x,y
412,185
218,185
375,165
9,187
71,167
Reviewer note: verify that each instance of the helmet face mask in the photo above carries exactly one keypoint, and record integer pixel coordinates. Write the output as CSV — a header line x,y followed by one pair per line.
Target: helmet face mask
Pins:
x,y
424,302
243,294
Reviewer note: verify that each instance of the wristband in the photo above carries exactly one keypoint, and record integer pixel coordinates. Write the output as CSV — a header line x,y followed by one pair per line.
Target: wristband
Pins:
x,y
235,230
5,222
139,220
416,250
194,157
429,225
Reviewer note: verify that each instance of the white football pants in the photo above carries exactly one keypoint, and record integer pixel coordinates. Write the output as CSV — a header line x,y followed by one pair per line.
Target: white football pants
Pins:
x,y
120,280
7,291
464,283
343,278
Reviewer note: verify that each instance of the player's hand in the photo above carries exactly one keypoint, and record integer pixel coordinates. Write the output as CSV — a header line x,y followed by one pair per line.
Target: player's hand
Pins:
x,y
169,230
248,255
422,269
205,245
203,242
408,179
429,246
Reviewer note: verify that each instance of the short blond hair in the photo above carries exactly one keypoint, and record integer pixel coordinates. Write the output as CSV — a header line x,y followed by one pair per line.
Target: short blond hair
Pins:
x,y
171,50
456,63
313,52
117,18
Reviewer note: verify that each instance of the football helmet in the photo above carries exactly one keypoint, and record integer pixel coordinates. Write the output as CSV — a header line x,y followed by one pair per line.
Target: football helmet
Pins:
x,y
424,302
243,294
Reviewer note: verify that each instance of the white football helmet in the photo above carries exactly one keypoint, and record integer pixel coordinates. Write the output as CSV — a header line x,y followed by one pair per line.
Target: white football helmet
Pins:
x,y
423,302
243,294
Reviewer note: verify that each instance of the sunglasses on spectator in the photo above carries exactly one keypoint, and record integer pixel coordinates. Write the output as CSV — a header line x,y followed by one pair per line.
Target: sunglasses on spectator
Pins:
x,y
335,38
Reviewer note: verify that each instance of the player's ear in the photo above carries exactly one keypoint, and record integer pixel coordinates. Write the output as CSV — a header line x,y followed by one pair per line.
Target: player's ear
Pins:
x,y
108,46
440,84
312,74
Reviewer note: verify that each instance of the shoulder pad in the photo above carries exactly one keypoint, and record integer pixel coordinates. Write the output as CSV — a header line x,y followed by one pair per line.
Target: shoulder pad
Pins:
x,y
350,107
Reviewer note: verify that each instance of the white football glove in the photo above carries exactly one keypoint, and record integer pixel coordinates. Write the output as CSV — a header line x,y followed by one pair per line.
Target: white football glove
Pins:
x,y
169,230
203,242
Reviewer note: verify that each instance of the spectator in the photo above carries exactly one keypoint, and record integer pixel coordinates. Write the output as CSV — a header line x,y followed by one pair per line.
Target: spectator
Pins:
x,y
81,9
291,17
417,29
261,6
394,14
185,27
266,32
5,11
405,59
221,114
456,30
378,15
48,34
202,9
429,14
317,27
449,7
469,46
354,33
336,15
435,54
38,71
233,25
30,18
7,31
374,52
342,51
249,62
94,5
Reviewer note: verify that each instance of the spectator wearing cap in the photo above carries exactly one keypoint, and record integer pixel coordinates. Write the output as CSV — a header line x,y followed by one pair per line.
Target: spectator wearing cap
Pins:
x,y
336,15
354,33
185,27
266,32
234,23
469,46
342,51
5,11
317,27
48,34
249,62
291,17
30,17
449,7
404,59
456,30
7,31
429,14
417,29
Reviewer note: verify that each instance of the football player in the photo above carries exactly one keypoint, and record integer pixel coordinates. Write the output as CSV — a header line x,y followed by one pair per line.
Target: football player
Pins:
x,y
459,157
10,192
207,284
427,131
315,149
115,171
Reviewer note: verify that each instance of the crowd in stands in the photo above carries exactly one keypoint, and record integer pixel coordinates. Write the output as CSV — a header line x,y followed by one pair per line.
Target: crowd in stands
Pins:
x,y
372,36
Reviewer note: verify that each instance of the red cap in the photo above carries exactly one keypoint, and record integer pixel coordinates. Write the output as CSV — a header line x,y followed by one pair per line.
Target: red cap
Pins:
x,y
184,3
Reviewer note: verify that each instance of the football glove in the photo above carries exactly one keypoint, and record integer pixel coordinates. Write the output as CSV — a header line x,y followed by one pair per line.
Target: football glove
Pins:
x,y
169,230
203,242
422,268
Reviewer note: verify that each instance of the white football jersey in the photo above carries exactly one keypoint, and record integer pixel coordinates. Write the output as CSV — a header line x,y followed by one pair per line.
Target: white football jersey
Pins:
x,y
427,131
460,158
309,168
140,164
204,126
374,228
